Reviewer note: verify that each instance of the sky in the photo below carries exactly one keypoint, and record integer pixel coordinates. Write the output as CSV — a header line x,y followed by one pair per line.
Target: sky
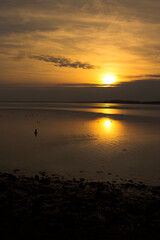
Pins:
x,y
62,49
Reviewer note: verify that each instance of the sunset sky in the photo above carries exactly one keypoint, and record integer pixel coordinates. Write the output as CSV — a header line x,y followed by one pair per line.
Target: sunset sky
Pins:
x,y
63,49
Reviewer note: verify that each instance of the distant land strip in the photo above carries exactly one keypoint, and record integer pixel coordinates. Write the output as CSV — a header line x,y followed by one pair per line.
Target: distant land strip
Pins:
x,y
107,101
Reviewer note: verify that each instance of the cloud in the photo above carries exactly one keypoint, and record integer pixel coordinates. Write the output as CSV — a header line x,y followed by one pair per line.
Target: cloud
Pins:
x,y
152,76
138,90
18,24
117,35
145,10
145,77
64,62
150,85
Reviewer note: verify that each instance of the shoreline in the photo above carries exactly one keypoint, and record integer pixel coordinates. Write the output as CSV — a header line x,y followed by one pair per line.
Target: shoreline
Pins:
x,y
43,207
154,102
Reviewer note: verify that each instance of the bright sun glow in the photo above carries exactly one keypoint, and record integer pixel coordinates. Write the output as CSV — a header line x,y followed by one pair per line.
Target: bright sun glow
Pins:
x,y
108,123
109,79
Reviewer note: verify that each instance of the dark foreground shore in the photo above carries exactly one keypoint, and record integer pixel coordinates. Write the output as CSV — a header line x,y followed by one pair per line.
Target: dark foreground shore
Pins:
x,y
44,207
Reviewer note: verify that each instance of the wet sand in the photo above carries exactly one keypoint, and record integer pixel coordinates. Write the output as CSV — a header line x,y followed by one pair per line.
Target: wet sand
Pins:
x,y
43,207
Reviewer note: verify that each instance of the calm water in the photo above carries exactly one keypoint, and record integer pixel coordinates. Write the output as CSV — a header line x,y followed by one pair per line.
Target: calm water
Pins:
x,y
92,140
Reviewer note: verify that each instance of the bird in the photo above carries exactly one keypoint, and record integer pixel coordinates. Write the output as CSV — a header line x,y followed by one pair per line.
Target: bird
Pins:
x,y
35,132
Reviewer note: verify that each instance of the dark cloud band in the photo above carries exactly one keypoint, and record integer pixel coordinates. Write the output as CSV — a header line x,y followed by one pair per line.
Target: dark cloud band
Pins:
x,y
63,62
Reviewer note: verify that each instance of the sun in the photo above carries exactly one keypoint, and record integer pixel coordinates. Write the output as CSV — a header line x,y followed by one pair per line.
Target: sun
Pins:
x,y
108,79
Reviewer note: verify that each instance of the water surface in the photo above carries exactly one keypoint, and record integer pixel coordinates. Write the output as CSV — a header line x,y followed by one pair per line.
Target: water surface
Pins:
x,y
92,140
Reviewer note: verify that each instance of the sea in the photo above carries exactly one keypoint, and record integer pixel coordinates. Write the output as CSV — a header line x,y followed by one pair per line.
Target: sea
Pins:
x,y
92,141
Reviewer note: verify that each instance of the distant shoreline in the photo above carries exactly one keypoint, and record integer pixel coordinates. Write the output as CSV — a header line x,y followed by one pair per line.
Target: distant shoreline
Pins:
x,y
107,101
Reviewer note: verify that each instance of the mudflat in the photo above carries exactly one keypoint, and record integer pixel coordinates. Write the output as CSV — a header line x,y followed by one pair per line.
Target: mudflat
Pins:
x,y
46,207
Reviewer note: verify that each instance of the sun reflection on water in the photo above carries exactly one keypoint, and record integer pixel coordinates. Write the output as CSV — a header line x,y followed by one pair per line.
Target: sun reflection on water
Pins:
x,y
107,127
108,123
106,110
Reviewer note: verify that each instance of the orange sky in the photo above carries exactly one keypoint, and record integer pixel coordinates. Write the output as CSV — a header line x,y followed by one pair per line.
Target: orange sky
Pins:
x,y
52,42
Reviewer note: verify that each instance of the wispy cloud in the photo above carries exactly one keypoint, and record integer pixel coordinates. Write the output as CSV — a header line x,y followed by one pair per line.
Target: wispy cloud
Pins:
x,y
64,62
152,76
141,77
120,36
